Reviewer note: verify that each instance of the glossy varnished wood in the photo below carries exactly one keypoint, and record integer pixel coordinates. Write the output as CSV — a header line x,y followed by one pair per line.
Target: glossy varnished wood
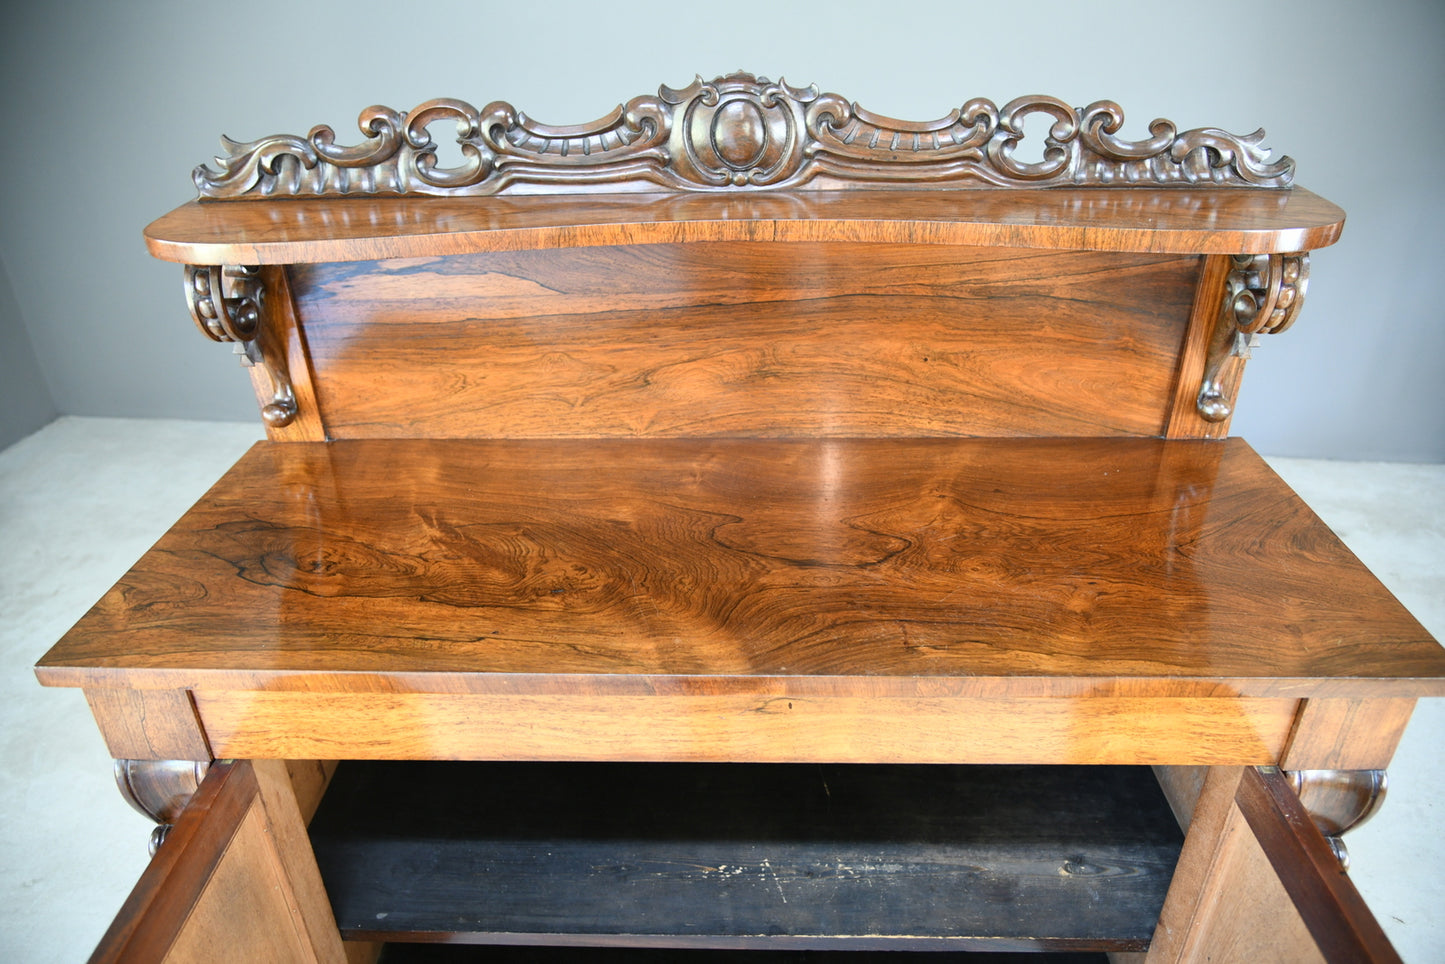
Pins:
x,y
1174,220
843,568
769,728
749,340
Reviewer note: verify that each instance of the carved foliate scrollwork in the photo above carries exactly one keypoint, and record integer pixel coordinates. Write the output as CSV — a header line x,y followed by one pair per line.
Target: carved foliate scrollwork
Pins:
x,y
736,132
1263,295
226,303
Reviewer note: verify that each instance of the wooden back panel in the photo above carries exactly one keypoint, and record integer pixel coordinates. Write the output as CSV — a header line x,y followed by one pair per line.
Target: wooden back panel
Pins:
x,y
748,339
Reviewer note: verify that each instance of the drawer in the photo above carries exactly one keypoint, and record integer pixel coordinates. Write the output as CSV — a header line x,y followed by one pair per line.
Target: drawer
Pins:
x,y
699,863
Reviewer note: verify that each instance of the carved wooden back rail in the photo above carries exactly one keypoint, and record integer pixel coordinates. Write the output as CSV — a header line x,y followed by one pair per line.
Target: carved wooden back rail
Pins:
x,y
740,397
713,328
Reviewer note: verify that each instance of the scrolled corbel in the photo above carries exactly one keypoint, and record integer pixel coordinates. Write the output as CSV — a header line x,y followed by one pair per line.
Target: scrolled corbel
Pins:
x,y
1339,801
227,303
159,789
1263,296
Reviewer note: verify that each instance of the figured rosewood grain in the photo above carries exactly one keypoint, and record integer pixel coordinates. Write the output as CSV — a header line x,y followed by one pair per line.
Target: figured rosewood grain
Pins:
x,y
771,729
747,340
846,567
1180,221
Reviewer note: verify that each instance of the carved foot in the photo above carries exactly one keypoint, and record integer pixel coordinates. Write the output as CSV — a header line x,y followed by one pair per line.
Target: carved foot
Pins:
x,y
160,789
1339,800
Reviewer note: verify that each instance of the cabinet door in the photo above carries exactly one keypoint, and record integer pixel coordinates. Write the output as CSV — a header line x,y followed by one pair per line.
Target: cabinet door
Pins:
x,y
235,880
1257,881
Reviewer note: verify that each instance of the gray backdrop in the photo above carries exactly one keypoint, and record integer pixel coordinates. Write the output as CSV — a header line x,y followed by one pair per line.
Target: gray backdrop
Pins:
x,y
111,105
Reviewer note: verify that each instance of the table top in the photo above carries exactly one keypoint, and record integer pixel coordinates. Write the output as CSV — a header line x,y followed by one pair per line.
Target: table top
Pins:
x,y
984,567
1163,220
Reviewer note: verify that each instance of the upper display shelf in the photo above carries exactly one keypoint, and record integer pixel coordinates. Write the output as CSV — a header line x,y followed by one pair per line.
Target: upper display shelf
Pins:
x,y
742,158
315,230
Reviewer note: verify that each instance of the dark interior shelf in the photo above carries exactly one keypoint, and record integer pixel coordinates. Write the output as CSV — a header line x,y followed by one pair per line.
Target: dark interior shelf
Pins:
x,y
790,857
472,954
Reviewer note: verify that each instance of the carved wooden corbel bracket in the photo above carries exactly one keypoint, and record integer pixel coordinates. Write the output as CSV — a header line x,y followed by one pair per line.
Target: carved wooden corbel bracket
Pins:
x,y
160,789
227,302
1339,800
1263,295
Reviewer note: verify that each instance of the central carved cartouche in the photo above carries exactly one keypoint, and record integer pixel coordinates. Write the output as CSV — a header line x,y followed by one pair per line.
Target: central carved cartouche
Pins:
x,y
739,134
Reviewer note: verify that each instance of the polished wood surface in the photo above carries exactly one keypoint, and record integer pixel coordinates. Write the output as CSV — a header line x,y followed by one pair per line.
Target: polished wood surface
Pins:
x,y
760,728
148,724
1176,220
749,340
862,568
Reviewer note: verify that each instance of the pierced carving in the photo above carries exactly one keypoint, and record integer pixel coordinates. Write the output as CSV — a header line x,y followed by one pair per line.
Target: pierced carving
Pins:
x,y
733,133
226,303
1339,801
159,789
1263,295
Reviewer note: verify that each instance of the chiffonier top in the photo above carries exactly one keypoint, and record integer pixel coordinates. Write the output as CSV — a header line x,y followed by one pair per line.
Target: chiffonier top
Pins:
x,y
1167,220
812,469
866,567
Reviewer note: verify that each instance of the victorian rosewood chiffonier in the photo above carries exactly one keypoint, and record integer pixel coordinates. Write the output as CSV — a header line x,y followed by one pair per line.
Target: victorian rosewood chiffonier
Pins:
x,y
750,524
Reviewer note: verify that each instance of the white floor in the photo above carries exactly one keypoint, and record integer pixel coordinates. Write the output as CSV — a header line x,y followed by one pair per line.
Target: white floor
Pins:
x,y
83,498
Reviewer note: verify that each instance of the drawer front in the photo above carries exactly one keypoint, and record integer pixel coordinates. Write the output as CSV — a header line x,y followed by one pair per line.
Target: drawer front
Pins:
x,y
233,881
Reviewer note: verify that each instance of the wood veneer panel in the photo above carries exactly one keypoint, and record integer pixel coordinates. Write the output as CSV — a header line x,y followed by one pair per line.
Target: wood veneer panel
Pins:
x,y
429,726
807,856
1347,734
1181,220
149,724
864,568
748,340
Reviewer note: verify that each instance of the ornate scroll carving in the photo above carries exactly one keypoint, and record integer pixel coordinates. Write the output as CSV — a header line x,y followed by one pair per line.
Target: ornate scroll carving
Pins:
x,y
1263,295
1339,800
226,303
160,789
732,133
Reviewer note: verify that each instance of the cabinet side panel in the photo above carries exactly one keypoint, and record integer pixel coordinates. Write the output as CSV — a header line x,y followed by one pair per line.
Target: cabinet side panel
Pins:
x,y
748,339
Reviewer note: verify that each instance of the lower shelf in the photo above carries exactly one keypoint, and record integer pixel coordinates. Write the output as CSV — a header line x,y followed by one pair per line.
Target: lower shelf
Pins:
x,y
459,954
766,856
